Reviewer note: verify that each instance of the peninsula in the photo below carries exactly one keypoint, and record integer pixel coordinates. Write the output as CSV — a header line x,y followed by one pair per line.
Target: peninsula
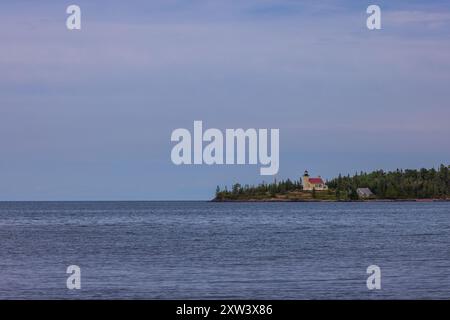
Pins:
x,y
399,185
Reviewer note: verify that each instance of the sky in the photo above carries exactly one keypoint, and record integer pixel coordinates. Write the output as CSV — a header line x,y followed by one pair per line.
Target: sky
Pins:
x,y
88,114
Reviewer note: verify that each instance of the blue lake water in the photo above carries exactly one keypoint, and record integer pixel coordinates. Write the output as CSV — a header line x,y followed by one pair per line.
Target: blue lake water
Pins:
x,y
201,250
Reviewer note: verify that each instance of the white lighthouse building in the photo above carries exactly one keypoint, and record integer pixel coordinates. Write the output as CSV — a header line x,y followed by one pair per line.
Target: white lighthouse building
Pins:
x,y
313,183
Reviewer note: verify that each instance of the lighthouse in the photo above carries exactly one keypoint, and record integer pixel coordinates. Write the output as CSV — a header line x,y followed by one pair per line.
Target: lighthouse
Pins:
x,y
313,183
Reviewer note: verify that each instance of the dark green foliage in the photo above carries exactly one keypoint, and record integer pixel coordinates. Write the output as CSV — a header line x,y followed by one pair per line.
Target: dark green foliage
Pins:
x,y
259,191
398,184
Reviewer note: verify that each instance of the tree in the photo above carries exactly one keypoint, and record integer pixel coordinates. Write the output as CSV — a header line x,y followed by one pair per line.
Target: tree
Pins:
x,y
353,195
338,194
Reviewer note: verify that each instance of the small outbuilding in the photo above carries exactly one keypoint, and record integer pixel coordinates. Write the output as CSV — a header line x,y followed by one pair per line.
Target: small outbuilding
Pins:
x,y
364,192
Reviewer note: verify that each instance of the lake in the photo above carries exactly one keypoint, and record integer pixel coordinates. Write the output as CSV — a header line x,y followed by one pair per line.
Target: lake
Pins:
x,y
204,250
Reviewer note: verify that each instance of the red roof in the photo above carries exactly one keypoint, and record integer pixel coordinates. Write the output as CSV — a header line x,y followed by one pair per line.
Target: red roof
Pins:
x,y
316,180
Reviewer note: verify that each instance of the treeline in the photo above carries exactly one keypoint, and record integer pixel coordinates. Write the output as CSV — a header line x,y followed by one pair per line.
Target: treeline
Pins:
x,y
262,190
398,184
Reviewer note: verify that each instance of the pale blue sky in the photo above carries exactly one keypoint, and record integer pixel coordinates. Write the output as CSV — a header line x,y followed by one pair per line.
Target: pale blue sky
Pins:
x,y
87,115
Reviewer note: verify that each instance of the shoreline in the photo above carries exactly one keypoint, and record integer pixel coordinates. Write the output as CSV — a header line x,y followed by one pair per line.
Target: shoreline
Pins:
x,y
318,200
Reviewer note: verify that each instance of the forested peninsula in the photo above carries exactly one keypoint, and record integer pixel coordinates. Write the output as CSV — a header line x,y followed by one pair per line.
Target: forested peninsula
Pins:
x,y
399,185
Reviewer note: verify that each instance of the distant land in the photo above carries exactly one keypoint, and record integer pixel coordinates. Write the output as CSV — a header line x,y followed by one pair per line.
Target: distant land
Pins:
x,y
399,185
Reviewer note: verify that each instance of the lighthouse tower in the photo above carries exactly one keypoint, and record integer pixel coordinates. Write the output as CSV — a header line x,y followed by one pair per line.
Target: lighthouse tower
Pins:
x,y
305,180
